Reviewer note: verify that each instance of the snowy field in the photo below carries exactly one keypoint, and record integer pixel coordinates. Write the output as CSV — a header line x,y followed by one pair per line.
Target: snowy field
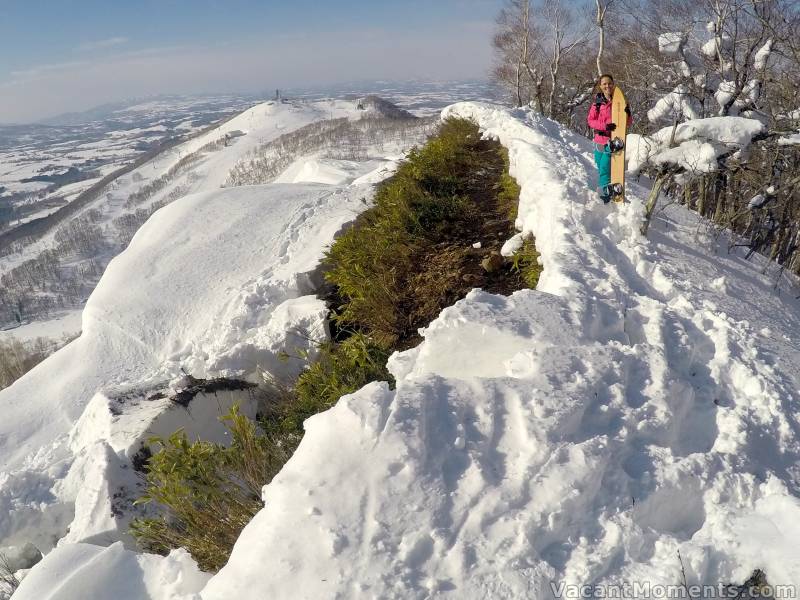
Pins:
x,y
420,98
63,323
95,143
633,419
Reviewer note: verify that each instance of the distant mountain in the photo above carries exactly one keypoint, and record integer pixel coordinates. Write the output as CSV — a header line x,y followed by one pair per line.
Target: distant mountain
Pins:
x,y
97,113
133,109
382,107
420,98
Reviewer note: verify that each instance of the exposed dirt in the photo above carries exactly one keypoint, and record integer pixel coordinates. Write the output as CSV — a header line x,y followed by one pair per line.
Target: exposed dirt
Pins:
x,y
448,270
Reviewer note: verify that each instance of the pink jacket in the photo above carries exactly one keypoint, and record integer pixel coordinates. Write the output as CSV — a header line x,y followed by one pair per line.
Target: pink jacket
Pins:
x,y
599,118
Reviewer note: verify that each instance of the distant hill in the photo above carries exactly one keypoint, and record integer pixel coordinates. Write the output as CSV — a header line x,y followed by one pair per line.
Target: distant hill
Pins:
x,y
133,109
383,108
97,113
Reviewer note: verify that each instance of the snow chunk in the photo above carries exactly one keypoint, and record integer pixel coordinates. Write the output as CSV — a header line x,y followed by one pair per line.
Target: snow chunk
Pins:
x,y
512,245
719,284
21,557
768,526
75,571
725,92
671,43
104,487
676,104
789,140
761,57
710,47
694,156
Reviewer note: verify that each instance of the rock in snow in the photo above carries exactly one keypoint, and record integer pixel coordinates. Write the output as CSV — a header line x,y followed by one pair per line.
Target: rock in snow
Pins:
x,y
582,433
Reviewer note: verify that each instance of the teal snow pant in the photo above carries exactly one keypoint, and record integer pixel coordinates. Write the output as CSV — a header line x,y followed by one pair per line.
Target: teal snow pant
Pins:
x,y
602,158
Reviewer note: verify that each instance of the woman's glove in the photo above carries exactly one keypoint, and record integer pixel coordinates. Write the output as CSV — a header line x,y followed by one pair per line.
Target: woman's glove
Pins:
x,y
611,127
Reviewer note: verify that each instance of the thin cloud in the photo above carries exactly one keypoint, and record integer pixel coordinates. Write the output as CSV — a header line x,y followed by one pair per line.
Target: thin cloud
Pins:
x,y
152,51
452,53
101,44
39,70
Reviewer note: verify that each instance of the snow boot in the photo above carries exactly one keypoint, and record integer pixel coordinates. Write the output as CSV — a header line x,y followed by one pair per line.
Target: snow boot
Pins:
x,y
612,189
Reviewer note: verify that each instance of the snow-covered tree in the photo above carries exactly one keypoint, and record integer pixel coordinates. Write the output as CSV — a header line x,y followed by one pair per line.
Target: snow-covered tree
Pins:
x,y
691,150
734,64
714,58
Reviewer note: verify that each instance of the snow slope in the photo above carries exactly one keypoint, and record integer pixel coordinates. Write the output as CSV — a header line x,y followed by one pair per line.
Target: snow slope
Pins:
x,y
205,168
214,284
640,403
261,123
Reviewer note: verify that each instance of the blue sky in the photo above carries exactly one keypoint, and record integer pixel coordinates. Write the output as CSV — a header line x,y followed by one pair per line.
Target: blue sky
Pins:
x,y
65,55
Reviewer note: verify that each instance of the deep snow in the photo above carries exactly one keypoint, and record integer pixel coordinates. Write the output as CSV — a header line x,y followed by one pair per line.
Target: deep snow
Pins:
x,y
640,403
214,284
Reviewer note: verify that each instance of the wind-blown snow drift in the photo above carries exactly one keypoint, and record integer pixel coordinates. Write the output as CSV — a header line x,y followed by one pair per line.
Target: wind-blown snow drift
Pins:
x,y
641,402
87,572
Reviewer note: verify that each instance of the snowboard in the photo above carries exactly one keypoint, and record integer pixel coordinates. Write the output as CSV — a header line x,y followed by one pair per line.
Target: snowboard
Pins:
x,y
620,118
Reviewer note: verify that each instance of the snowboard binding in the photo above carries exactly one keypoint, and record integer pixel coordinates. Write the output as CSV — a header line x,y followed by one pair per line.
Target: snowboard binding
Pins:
x,y
616,144
614,191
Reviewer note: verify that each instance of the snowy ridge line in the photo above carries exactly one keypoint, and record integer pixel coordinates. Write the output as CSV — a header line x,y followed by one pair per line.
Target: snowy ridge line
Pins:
x,y
218,283
743,379
582,433
261,122
559,208
221,279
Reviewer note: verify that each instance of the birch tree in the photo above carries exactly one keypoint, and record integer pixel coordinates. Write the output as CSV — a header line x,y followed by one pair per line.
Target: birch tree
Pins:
x,y
566,35
600,20
516,51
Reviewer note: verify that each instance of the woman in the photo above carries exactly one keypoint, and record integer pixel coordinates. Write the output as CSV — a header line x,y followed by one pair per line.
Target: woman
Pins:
x,y
599,120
